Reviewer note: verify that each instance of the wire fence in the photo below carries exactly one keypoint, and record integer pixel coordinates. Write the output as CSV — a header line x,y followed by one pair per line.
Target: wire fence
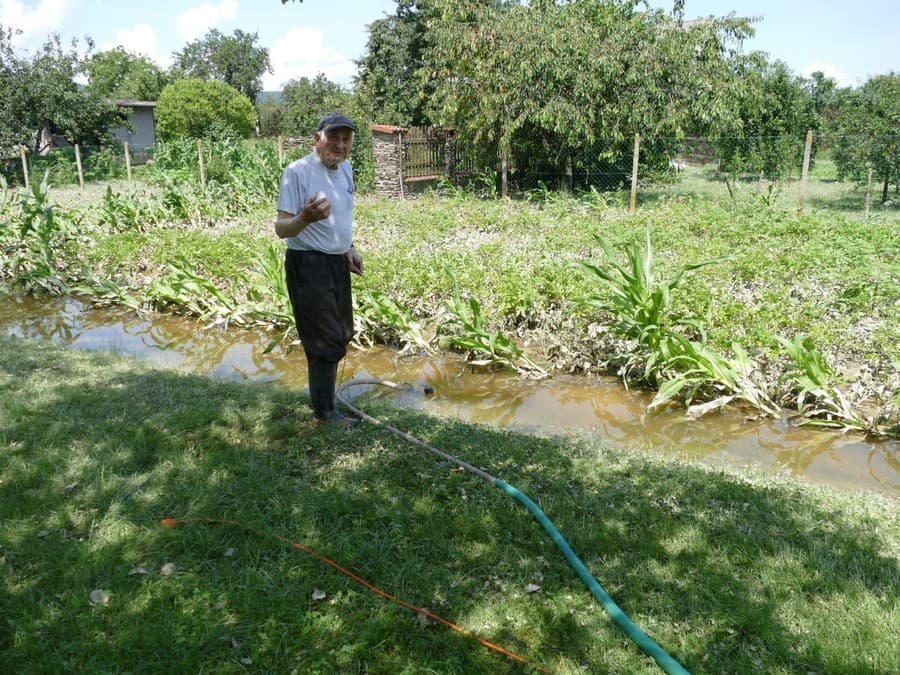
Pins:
x,y
646,169
636,170
68,165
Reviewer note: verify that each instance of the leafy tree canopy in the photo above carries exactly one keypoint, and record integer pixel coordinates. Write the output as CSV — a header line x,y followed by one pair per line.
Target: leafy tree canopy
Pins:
x,y
868,131
388,83
302,103
193,108
564,75
306,100
236,60
773,111
40,97
120,74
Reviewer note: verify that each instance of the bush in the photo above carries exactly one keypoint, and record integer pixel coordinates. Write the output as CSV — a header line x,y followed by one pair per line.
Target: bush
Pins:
x,y
193,108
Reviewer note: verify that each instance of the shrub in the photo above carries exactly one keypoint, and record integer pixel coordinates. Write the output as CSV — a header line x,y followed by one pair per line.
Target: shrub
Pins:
x,y
195,108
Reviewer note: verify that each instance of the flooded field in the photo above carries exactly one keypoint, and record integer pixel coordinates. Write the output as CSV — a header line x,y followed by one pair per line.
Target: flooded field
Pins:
x,y
556,405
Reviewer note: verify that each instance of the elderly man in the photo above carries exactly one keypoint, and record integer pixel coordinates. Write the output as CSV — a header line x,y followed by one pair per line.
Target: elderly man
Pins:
x,y
315,220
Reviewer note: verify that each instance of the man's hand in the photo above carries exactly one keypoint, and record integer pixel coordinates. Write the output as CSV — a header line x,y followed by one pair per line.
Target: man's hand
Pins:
x,y
317,208
355,260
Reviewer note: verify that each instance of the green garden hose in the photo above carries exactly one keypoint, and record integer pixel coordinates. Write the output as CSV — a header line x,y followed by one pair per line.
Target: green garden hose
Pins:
x,y
639,637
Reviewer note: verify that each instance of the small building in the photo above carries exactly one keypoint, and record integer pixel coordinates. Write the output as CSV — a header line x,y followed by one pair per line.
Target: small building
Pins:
x,y
144,135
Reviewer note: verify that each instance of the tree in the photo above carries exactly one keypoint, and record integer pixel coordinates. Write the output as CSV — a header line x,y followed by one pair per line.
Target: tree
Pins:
x,y
868,131
302,102
306,100
393,83
272,119
555,77
236,60
119,74
774,110
193,108
40,97
826,96
388,83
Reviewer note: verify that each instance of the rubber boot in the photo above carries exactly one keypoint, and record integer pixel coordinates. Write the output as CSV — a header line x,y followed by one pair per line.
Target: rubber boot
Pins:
x,y
322,377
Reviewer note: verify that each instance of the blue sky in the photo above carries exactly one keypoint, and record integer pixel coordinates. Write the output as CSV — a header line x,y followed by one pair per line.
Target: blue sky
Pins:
x,y
848,41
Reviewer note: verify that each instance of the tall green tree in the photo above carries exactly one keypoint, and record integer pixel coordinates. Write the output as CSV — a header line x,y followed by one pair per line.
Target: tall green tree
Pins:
x,y
306,100
556,77
302,102
120,74
773,111
826,96
867,132
270,114
237,60
393,82
389,83
40,97
203,109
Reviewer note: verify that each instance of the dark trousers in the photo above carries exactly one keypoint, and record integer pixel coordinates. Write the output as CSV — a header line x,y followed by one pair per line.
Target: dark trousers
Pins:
x,y
320,292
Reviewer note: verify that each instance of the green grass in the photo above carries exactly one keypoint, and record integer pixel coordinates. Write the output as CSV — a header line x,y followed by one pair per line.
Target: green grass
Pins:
x,y
728,573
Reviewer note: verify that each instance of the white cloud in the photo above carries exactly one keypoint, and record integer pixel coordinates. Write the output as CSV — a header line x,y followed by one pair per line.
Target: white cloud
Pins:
x,y
35,21
829,70
141,39
196,22
302,53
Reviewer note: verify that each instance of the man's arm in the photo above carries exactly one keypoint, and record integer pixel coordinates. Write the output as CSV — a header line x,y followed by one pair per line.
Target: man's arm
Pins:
x,y
291,224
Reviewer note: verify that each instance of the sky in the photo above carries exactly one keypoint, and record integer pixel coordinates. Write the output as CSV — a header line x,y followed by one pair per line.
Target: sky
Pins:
x,y
848,41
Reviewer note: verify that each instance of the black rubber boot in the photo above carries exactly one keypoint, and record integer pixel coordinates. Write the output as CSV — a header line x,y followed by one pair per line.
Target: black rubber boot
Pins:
x,y
322,377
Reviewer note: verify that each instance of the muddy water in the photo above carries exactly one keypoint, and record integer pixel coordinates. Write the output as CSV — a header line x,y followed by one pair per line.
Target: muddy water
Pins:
x,y
553,406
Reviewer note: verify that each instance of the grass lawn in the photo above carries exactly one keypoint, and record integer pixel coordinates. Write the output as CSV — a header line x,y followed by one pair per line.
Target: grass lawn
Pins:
x,y
727,573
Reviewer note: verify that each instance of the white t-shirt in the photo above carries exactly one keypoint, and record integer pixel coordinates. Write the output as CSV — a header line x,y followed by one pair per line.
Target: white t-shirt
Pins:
x,y
305,177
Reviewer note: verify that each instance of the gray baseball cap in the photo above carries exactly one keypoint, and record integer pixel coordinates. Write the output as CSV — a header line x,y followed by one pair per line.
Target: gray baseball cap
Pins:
x,y
334,120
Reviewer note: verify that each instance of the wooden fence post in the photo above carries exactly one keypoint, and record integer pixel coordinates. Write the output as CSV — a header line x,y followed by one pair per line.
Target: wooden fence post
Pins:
x,y
127,161
504,174
634,173
202,167
807,150
868,192
25,167
400,167
78,164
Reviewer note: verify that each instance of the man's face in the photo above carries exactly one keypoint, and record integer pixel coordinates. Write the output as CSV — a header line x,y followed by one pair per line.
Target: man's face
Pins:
x,y
334,146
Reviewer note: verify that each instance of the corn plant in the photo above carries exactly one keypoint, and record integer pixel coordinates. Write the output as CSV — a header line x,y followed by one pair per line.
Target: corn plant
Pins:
x,y
640,302
267,291
692,370
382,319
184,288
185,201
106,291
122,213
39,230
543,195
461,326
812,384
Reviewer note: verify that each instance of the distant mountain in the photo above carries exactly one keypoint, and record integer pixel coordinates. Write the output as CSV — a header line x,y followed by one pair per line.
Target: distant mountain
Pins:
x,y
264,96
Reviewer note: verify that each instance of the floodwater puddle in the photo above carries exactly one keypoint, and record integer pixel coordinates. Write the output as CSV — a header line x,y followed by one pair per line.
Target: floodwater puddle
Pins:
x,y
556,405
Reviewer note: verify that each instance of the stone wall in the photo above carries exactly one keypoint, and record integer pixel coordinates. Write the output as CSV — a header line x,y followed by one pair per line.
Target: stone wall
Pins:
x,y
387,156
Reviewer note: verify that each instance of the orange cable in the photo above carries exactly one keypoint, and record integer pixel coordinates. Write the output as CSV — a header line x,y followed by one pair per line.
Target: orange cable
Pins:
x,y
172,522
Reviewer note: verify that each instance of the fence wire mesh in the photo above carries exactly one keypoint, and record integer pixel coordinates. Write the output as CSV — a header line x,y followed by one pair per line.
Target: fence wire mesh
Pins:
x,y
60,164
